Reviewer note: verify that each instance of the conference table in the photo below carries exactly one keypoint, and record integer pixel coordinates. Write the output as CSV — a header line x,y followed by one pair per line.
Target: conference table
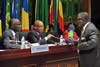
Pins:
x,y
57,56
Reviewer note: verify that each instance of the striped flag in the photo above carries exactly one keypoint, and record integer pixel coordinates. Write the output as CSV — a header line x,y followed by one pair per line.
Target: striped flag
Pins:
x,y
56,16
60,17
37,10
51,16
15,9
25,16
7,14
71,33
0,29
46,16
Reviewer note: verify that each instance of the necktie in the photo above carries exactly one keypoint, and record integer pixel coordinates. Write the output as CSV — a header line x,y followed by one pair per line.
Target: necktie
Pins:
x,y
15,36
39,36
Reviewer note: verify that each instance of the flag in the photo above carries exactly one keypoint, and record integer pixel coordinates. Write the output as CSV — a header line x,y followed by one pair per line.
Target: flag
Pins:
x,y
60,18
3,15
15,9
37,10
42,12
71,33
55,15
25,16
51,16
0,29
7,14
12,9
46,15
33,11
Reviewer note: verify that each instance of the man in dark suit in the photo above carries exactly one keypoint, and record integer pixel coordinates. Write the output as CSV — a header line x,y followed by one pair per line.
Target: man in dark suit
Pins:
x,y
10,34
37,35
88,42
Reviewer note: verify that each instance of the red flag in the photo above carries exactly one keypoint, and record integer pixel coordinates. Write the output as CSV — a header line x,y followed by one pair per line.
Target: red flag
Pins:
x,y
60,16
25,16
51,17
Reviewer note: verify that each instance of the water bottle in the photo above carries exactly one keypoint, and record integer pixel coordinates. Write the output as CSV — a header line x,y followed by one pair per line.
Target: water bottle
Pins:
x,y
61,40
23,43
64,42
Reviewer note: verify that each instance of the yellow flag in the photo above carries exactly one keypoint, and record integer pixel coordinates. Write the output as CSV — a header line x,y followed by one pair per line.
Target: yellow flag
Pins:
x,y
0,29
25,16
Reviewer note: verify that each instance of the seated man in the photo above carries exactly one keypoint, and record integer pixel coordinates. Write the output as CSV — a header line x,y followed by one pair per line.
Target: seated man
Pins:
x,y
37,35
10,34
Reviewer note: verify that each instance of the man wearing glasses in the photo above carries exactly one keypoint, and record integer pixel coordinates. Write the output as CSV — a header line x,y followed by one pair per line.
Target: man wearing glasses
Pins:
x,y
37,35
10,34
88,42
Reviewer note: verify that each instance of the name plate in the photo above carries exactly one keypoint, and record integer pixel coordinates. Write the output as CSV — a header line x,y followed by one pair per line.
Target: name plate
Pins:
x,y
41,48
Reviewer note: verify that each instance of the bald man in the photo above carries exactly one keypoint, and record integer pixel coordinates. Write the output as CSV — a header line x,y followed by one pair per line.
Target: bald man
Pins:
x,y
37,35
14,26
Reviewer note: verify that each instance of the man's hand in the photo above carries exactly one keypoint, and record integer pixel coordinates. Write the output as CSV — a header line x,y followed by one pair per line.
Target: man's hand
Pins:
x,y
49,36
56,43
71,39
83,38
28,45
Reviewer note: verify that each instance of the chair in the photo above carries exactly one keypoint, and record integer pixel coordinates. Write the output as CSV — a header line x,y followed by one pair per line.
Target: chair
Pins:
x,y
21,34
1,43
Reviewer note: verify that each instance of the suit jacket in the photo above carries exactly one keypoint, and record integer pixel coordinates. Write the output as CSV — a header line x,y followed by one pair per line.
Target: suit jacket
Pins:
x,y
89,47
33,37
7,35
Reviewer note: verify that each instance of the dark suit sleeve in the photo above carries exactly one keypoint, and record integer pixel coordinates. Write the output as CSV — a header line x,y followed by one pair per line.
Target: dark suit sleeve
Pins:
x,y
76,42
90,42
6,43
32,38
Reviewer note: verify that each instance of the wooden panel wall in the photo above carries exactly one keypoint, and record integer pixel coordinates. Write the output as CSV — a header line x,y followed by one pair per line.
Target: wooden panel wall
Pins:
x,y
86,6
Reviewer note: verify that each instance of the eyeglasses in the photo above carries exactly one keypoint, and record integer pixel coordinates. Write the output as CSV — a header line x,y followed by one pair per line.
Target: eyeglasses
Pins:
x,y
79,19
18,24
39,26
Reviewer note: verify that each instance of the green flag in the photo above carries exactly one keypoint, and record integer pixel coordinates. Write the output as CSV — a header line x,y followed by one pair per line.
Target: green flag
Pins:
x,y
7,14
37,9
46,15
42,10
55,15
